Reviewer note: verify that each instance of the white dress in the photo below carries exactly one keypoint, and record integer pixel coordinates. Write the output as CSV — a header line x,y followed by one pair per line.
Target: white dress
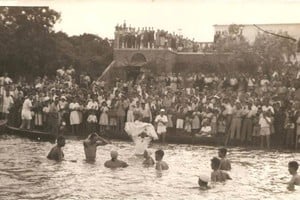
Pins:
x,y
7,103
26,110
74,115
104,116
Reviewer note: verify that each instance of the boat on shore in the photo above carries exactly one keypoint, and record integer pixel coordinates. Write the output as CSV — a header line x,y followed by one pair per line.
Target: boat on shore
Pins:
x,y
2,126
31,134
175,138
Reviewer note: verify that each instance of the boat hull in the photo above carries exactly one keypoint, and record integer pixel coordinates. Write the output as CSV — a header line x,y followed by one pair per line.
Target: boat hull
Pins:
x,y
31,134
2,126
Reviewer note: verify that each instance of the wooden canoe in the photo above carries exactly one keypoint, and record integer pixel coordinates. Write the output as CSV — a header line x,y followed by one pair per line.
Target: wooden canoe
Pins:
x,y
31,134
176,138
2,126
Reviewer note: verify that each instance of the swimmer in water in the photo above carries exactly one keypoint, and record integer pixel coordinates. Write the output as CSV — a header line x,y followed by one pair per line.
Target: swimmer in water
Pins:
x,y
56,152
218,175
203,182
293,167
91,144
148,162
160,164
224,162
114,162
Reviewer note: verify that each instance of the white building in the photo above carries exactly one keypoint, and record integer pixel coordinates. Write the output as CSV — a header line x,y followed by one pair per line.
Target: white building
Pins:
x,y
250,31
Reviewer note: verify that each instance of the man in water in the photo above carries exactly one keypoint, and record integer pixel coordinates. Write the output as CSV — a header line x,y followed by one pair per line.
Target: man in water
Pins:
x,y
90,146
56,152
114,162
160,164
293,167
218,175
224,162
148,159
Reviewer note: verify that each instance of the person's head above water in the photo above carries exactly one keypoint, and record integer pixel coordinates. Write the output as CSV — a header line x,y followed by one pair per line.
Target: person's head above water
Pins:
x,y
93,137
293,167
159,154
215,163
114,155
61,141
146,154
222,152
203,180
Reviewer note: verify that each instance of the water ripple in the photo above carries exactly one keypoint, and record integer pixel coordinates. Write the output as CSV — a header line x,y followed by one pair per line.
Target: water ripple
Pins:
x,y
27,174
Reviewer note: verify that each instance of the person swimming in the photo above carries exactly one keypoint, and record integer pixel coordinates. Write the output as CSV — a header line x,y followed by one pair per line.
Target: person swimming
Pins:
x,y
114,162
148,159
56,152
160,164
224,162
295,180
218,175
91,144
203,182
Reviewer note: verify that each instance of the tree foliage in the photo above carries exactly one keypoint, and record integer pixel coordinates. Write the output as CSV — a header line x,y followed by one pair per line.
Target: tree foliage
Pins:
x,y
268,51
29,45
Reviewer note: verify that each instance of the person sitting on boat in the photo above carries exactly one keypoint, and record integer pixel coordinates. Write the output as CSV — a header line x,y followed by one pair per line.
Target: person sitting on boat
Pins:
x,y
56,152
205,129
160,164
141,133
225,163
114,162
293,167
218,175
90,146
203,182
148,159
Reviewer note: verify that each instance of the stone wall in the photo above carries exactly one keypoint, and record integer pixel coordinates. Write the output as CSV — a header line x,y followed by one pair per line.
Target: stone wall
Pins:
x,y
167,60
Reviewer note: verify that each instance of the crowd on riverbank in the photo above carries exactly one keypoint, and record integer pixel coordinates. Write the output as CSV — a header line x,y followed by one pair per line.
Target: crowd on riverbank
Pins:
x,y
247,108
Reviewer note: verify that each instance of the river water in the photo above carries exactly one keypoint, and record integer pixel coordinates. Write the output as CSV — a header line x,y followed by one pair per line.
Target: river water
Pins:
x,y
26,173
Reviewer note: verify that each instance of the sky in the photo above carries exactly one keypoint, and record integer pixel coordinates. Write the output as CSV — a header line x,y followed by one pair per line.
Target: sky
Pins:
x,y
191,18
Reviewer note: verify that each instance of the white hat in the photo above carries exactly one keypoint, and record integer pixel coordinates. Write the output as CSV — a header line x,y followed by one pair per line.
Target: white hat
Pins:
x,y
162,110
204,178
63,97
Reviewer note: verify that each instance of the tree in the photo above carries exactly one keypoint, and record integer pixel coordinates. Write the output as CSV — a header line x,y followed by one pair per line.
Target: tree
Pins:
x,y
268,51
29,46
27,43
273,51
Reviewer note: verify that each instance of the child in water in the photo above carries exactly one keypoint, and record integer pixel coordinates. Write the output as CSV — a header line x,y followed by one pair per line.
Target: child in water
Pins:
x,y
218,175
148,159
293,167
160,164
225,163
203,182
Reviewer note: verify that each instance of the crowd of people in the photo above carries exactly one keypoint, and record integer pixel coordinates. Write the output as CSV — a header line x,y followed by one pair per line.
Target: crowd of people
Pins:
x,y
148,38
244,109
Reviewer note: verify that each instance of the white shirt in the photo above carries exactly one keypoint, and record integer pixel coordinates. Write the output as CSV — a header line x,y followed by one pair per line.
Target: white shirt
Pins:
x,y
92,105
159,119
266,108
